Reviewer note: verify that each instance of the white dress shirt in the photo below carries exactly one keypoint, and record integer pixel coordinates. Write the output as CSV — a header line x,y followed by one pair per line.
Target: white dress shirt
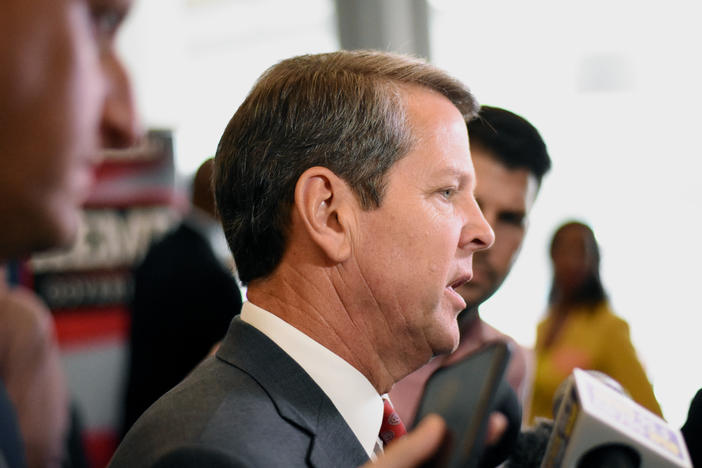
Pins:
x,y
351,393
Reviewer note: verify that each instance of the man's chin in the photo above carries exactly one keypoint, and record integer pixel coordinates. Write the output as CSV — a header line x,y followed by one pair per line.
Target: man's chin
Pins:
x,y
471,293
444,351
60,233
448,341
476,294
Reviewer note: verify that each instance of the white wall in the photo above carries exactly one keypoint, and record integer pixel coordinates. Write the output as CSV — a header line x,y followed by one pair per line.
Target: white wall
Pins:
x,y
194,61
614,88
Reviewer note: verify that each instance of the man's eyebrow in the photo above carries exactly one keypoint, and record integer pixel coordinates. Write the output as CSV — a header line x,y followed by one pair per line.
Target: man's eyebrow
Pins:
x,y
452,171
121,6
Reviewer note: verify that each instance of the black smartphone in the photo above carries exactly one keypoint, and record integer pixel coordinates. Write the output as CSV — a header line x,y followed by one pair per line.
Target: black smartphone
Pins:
x,y
464,394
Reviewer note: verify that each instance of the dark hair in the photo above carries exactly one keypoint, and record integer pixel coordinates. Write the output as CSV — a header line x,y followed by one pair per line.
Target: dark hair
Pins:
x,y
202,194
591,292
342,110
511,139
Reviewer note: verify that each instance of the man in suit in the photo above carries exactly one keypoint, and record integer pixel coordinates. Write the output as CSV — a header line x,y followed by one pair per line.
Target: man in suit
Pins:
x,y
63,96
345,188
185,295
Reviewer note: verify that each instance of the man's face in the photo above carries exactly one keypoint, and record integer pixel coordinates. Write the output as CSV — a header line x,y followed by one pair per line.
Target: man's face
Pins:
x,y
63,96
505,197
417,247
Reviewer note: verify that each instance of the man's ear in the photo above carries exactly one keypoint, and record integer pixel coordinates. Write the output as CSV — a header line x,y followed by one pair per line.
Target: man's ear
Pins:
x,y
322,201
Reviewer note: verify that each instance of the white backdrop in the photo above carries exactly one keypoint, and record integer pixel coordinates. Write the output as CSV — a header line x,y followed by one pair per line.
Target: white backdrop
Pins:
x,y
614,88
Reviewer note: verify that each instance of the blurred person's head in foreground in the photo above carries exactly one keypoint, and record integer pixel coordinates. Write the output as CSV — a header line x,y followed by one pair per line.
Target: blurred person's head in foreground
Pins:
x,y
64,95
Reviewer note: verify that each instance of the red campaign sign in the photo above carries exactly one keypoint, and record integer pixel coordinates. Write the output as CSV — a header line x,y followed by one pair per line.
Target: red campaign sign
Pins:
x,y
143,175
88,287
134,201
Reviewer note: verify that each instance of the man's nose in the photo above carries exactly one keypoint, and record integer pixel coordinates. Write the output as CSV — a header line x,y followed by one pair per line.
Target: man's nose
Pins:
x,y
119,127
477,233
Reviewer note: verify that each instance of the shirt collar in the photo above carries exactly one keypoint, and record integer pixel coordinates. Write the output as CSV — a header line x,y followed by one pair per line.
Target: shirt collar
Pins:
x,y
351,393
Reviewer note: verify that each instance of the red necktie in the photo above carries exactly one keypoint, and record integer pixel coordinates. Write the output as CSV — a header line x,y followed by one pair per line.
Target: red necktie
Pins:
x,y
392,427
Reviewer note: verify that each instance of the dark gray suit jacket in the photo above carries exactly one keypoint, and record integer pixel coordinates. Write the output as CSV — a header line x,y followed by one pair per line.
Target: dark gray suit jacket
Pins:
x,y
251,405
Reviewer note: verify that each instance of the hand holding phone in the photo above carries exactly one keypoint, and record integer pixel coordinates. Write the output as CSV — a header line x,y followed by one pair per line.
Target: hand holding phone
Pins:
x,y
464,394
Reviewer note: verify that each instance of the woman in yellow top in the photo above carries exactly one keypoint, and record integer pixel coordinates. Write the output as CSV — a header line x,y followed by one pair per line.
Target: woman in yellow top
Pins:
x,y
581,330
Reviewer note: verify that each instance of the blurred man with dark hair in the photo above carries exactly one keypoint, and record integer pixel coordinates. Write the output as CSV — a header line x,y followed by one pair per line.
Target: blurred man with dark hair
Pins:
x,y
185,295
339,178
63,96
510,160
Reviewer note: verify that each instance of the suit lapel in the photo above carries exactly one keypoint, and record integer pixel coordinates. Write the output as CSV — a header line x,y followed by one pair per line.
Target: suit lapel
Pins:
x,y
297,397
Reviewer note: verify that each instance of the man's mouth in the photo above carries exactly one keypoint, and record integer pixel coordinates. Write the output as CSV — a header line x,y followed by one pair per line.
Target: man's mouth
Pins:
x,y
458,282
454,285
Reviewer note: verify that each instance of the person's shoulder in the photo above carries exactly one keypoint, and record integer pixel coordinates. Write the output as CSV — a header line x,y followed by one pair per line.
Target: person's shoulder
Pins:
x,y
198,456
543,322
176,252
175,238
604,312
215,385
217,412
491,333
23,312
614,328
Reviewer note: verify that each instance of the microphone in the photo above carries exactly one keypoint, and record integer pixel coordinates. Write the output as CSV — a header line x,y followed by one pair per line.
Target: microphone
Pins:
x,y
597,425
531,444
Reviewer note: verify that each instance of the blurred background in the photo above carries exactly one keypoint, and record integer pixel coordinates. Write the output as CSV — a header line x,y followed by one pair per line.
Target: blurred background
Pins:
x,y
613,87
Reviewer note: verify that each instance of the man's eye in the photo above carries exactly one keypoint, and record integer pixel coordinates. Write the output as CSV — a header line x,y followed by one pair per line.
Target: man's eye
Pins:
x,y
514,219
447,192
106,21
